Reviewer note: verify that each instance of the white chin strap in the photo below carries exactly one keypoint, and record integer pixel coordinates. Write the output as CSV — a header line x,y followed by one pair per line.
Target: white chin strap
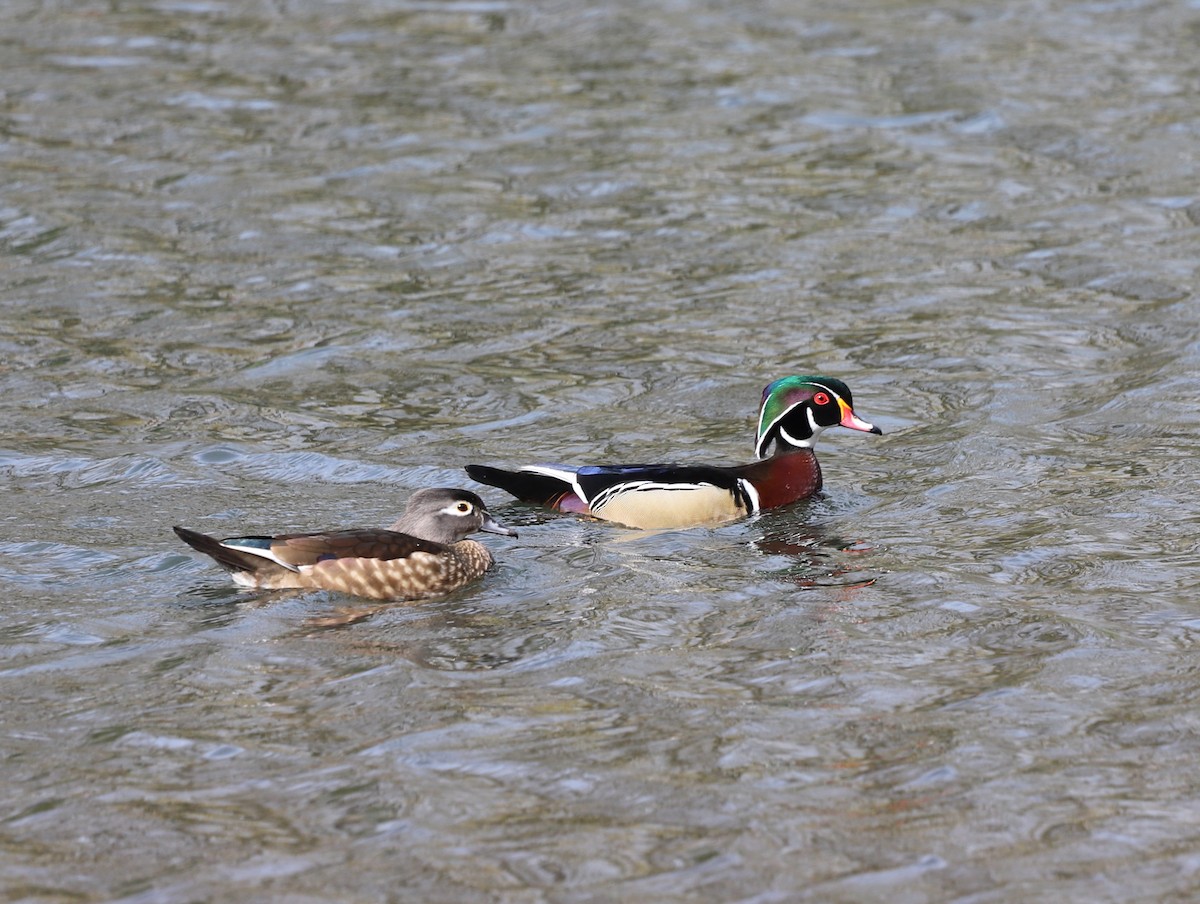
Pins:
x,y
803,443
792,441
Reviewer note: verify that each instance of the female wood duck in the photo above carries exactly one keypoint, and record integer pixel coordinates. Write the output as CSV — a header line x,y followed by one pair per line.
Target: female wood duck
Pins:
x,y
793,413
420,556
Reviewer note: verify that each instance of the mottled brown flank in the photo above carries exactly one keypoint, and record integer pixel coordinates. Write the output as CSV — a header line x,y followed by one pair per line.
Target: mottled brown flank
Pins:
x,y
430,569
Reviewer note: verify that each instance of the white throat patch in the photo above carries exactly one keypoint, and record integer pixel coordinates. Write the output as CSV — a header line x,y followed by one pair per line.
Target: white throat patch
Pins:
x,y
804,443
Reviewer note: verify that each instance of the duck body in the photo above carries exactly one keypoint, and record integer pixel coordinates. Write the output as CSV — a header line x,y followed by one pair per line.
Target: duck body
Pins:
x,y
664,495
793,412
422,555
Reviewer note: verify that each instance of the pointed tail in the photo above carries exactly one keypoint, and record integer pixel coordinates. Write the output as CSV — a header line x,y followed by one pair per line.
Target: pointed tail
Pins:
x,y
526,485
231,560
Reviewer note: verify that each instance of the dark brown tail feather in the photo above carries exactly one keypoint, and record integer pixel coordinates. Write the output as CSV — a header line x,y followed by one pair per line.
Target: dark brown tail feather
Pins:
x,y
527,487
229,559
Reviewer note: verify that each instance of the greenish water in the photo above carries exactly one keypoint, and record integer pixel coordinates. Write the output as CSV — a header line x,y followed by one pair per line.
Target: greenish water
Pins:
x,y
274,266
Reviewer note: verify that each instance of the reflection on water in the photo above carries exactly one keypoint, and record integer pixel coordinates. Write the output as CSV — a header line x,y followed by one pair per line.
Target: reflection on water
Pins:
x,y
275,267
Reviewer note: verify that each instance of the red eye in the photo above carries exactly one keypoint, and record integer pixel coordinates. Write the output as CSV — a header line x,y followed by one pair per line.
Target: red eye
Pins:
x,y
821,399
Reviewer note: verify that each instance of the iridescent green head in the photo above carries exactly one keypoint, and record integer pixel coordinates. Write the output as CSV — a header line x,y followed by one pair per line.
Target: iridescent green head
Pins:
x,y
795,410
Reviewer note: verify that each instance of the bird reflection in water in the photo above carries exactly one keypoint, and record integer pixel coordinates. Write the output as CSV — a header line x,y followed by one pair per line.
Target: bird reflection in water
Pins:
x,y
819,559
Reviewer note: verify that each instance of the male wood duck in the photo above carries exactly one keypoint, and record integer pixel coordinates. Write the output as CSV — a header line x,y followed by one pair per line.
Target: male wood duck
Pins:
x,y
793,413
422,555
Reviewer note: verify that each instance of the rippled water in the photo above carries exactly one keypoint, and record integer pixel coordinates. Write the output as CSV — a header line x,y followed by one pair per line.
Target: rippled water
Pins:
x,y
274,266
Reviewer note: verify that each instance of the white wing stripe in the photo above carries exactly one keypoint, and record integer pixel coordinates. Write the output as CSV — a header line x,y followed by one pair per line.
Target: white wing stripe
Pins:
x,y
262,554
566,475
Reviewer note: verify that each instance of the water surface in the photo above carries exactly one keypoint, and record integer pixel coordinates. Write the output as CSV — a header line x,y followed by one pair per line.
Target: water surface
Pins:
x,y
275,266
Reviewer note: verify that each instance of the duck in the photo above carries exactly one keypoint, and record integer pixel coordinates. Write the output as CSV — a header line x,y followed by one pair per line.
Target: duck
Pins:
x,y
794,411
422,555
